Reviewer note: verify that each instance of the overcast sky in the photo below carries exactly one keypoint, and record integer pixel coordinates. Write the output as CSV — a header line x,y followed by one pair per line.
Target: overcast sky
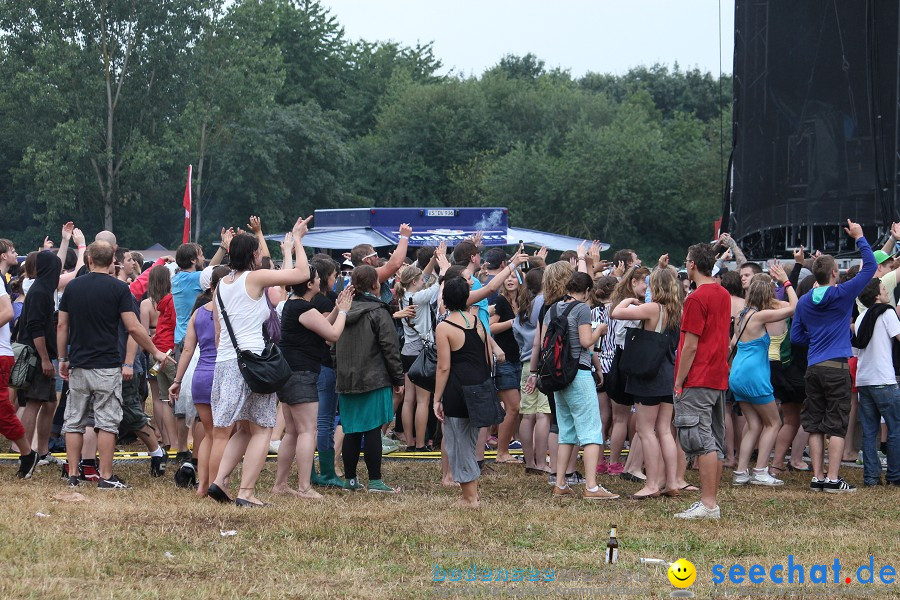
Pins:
x,y
606,36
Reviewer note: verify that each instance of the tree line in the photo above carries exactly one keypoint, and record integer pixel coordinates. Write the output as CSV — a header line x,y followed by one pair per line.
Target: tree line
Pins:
x,y
105,103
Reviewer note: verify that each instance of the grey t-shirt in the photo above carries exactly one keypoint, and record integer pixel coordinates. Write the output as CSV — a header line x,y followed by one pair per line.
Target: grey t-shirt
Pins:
x,y
526,331
580,315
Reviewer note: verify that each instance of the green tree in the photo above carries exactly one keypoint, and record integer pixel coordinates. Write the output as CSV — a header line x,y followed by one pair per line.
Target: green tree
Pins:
x,y
104,79
235,71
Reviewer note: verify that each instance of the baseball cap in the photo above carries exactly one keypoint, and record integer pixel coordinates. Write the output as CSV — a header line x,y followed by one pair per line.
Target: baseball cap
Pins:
x,y
881,256
494,258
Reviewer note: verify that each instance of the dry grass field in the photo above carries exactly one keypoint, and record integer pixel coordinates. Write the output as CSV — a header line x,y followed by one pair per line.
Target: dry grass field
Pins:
x,y
157,541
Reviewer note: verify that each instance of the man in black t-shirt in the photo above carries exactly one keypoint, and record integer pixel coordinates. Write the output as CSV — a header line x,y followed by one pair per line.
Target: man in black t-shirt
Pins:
x,y
97,303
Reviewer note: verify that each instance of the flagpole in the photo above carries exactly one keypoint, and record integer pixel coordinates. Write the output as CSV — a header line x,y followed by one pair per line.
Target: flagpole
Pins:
x,y
186,204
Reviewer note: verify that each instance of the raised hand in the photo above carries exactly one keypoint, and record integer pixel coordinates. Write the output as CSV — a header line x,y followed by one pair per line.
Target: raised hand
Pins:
x,y
301,227
255,225
477,238
440,257
664,260
48,243
78,237
799,253
620,269
288,242
67,230
854,230
594,250
405,229
345,298
895,231
518,259
227,235
542,252
581,251
776,271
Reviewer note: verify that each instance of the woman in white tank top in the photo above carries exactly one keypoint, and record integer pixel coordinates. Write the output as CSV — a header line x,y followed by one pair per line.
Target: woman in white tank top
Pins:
x,y
233,404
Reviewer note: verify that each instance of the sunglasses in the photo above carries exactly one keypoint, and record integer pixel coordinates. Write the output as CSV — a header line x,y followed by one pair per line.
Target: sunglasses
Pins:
x,y
373,255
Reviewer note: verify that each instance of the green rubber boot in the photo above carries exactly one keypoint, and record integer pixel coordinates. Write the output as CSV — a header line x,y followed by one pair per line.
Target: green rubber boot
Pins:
x,y
314,477
327,476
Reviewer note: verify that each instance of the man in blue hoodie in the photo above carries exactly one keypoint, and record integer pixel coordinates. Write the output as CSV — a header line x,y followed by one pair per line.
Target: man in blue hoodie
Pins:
x,y
822,321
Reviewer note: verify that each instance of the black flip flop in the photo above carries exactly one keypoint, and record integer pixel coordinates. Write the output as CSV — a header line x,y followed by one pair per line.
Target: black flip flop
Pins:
x,y
218,494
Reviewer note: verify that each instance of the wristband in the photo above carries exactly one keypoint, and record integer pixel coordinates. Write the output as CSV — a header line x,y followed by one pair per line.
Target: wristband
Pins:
x,y
81,246
787,284
62,360
342,312
403,237
178,381
129,365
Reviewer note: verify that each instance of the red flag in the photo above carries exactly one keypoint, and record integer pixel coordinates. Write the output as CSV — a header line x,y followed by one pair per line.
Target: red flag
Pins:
x,y
186,236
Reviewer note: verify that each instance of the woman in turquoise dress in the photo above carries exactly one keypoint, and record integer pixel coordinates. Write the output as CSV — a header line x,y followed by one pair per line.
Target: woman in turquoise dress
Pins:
x,y
750,380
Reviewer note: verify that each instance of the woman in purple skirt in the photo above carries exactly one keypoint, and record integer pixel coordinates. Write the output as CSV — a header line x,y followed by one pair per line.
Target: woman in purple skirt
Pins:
x,y
201,332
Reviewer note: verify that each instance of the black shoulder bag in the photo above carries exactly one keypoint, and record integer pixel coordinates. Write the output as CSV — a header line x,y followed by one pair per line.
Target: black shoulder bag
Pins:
x,y
482,400
644,350
266,373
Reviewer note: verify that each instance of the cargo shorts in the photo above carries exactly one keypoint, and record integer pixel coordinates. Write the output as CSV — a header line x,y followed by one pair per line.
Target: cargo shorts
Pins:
x,y
827,406
700,421
133,416
100,389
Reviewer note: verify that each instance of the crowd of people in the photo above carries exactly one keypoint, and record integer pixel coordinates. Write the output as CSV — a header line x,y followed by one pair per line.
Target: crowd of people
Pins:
x,y
701,367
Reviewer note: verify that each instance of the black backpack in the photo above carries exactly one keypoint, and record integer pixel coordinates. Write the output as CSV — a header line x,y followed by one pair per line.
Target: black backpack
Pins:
x,y
556,365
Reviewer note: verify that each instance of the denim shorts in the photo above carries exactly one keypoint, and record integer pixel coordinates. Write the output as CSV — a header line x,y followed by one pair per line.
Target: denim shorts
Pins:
x,y
508,375
300,388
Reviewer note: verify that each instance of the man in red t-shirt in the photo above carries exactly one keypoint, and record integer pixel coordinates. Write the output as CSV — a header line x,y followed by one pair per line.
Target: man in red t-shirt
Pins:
x,y
701,378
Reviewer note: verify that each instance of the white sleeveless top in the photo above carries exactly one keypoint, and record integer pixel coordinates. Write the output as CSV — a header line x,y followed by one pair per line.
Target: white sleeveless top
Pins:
x,y
246,315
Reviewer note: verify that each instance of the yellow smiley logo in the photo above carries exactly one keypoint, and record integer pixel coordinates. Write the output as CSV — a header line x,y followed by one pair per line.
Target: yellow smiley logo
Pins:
x,y
682,573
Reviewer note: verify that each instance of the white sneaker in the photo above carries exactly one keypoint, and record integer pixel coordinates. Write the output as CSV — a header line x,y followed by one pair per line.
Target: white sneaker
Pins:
x,y
763,477
273,446
48,459
740,477
699,511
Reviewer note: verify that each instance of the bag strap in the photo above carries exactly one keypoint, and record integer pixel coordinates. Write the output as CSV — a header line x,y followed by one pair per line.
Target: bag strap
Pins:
x,y
569,308
487,356
737,340
227,320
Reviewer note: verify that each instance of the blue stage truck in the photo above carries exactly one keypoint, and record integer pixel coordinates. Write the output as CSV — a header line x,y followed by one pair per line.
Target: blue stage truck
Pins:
x,y
343,228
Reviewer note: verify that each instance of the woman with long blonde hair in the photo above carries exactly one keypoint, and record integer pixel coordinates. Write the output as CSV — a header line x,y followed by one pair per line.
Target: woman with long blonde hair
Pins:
x,y
760,326
653,395
632,285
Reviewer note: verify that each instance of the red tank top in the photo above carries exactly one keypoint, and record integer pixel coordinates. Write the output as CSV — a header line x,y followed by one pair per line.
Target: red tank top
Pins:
x,y
164,338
